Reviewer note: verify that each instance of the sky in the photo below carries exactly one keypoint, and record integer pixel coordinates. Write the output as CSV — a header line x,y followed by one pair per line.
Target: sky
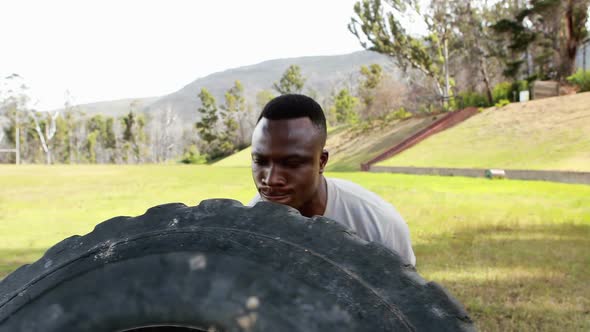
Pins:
x,y
106,50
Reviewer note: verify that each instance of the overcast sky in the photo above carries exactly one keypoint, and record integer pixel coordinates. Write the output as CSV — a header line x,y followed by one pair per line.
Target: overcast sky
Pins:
x,y
104,50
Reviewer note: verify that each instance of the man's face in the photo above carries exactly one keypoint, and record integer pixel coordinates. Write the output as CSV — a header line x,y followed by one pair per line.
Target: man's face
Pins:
x,y
287,160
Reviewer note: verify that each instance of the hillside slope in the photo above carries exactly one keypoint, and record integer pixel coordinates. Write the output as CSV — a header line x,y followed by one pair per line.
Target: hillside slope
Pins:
x,y
548,134
239,159
351,146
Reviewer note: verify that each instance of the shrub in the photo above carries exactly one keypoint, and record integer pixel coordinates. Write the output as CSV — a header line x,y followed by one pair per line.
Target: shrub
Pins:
x,y
192,156
472,98
502,91
581,79
399,114
521,85
426,109
502,103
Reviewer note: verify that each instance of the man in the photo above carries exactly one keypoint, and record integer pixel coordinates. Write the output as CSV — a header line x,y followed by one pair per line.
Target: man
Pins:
x,y
288,161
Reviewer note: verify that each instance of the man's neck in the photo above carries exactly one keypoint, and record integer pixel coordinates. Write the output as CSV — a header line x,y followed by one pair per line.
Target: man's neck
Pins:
x,y
317,205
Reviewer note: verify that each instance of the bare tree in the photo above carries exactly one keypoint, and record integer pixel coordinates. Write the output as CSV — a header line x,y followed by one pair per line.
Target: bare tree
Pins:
x,y
166,135
390,95
47,135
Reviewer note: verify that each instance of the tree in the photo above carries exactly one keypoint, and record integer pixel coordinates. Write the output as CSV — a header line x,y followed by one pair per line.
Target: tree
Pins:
x,y
207,127
61,146
475,43
45,135
134,137
232,115
166,133
291,82
96,127
128,122
208,123
390,96
384,33
75,123
370,78
101,141
110,139
544,36
91,142
345,107
262,98
14,101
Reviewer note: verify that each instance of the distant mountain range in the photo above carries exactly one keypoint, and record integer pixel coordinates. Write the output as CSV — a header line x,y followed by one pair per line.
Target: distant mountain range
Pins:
x,y
323,75
116,107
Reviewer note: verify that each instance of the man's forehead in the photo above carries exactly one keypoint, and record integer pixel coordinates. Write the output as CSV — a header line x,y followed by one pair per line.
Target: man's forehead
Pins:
x,y
287,129
287,134
304,123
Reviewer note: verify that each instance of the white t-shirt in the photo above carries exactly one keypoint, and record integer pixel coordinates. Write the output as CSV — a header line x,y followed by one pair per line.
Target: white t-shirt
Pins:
x,y
371,217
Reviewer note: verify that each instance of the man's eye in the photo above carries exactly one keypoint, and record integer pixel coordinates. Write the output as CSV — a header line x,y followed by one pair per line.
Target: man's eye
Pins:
x,y
258,161
293,163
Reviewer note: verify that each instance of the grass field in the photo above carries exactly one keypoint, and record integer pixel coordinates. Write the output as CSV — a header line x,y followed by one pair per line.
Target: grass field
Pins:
x,y
515,253
552,133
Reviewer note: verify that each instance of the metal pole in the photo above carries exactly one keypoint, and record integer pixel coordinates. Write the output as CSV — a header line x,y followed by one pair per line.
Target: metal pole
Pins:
x,y
17,135
17,146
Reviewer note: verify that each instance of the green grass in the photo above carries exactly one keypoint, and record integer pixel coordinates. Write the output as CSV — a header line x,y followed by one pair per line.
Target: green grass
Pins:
x,y
542,134
515,253
41,204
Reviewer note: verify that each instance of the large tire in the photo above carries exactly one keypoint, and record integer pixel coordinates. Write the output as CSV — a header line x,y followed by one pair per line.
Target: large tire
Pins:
x,y
220,266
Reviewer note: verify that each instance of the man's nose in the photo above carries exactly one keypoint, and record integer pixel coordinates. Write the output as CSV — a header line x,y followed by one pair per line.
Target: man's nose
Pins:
x,y
274,177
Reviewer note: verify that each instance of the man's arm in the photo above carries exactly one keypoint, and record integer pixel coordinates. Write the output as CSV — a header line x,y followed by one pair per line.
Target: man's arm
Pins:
x,y
396,236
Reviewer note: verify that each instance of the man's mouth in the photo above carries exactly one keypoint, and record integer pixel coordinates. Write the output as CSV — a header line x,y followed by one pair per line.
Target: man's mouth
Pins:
x,y
275,196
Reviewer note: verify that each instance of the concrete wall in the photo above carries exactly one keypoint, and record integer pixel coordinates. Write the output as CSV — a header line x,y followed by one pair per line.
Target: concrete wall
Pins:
x,y
554,176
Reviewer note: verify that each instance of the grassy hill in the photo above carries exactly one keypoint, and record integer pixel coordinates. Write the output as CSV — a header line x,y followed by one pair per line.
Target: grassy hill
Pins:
x,y
545,134
349,146
238,159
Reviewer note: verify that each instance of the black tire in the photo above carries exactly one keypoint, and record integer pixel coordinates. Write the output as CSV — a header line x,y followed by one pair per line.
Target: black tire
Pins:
x,y
220,266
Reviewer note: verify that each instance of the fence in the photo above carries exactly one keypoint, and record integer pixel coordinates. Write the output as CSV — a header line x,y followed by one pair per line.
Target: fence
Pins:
x,y
515,174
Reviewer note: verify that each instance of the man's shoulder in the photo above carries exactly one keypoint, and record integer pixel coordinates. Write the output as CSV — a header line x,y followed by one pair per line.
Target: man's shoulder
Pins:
x,y
368,214
254,200
350,192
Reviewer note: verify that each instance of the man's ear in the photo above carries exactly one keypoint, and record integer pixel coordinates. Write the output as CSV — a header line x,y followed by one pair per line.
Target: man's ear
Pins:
x,y
324,160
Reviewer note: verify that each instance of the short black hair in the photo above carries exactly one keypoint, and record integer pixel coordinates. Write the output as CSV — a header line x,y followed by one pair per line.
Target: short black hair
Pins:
x,y
292,106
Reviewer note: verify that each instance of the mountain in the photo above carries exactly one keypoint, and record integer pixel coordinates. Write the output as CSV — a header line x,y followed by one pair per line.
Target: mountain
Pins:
x,y
323,74
116,107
